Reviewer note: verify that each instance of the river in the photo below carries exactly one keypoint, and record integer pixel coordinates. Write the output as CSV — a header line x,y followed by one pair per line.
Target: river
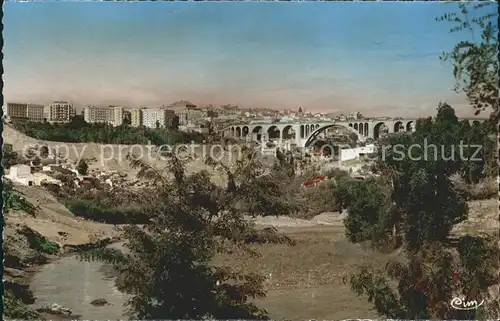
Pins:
x,y
74,284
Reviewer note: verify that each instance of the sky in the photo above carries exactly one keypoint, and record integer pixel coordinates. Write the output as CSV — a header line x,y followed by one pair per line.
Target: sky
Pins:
x,y
376,58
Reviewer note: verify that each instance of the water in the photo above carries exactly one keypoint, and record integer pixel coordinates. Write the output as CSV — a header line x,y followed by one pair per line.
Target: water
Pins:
x,y
74,284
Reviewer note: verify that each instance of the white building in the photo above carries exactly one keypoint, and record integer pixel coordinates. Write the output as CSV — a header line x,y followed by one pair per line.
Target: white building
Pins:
x,y
355,153
108,115
154,117
117,118
21,174
59,112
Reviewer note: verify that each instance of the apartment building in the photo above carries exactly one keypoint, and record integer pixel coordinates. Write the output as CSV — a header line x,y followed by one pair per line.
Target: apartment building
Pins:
x,y
36,113
103,115
180,105
59,112
97,115
17,111
117,117
136,117
154,117
190,114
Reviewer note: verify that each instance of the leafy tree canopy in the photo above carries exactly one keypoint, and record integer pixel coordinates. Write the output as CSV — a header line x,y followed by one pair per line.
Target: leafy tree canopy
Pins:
x,y
169,271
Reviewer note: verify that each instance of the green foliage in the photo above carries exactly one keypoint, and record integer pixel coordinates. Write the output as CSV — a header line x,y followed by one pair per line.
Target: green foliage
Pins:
x,y
13,201
82,167
425,285
366,203
44,245
95,210
15,308
9,157
80,131
169,271
475,61
420,207
38,242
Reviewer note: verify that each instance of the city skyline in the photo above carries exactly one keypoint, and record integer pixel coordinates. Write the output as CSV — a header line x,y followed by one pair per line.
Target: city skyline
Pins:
x,y
255,55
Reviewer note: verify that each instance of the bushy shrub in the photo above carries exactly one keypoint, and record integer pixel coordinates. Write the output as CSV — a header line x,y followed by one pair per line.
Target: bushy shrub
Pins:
x,y
96,211
485,189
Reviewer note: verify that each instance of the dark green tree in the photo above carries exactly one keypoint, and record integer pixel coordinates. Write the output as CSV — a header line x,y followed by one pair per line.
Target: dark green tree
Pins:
x,y
44,151
169,271
475,60
417,218
9,157
82,167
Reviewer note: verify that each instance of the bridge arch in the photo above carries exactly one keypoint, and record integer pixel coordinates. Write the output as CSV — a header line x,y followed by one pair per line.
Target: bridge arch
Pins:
x,y
361,128
288,132
273,132
238,131
409,126
258,130
398,126
376,129
245,131
302,131
314,135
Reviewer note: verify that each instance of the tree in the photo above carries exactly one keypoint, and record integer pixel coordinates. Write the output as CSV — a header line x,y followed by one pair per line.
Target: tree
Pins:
x,y
9,157
44,151
13,201
82,167
169,272
475,61
78,121
417,218
366,204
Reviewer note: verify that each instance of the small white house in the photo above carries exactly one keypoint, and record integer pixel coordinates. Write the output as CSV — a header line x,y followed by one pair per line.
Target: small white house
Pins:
x,y
355,153
21,174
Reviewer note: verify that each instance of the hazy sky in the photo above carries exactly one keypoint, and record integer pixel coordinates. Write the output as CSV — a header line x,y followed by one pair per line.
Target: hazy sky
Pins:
x,y
377,58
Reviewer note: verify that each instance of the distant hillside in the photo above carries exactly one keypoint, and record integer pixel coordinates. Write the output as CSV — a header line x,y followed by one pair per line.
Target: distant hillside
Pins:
x,y
107,156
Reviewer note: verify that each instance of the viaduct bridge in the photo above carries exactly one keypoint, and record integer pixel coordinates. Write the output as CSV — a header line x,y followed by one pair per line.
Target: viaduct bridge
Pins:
x,y
304,133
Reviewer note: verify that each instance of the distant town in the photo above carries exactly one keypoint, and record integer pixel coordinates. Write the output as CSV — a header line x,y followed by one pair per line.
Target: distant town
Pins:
x,y
182,115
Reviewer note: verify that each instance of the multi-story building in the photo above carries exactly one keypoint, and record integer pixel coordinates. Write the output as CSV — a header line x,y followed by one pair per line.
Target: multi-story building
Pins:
x,y
36,113
190,114
356,115
103,115
117,116
17,112
59,112
97,115
136,117
180,105
154,117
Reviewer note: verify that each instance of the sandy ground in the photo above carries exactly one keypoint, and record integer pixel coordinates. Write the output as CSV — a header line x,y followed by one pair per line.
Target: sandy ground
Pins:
x,y
56,222
114,157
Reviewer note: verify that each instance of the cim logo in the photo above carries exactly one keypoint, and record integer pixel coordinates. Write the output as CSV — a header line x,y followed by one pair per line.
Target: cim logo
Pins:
x,y
463,304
